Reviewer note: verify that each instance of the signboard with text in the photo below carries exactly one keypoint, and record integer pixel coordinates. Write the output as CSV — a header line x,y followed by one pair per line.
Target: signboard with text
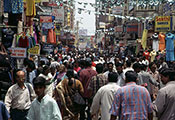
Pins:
x,y
45,19
59,14
18,52
35,50
162,23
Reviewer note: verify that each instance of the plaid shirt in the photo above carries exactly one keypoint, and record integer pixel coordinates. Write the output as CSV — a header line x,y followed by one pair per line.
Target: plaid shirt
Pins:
x,y
94,86
132,102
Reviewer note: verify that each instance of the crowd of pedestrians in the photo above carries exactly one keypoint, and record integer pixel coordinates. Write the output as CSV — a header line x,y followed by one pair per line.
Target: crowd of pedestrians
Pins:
x,y
91,86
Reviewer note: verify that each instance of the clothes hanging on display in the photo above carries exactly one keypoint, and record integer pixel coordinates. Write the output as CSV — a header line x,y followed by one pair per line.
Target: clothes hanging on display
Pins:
x,y
161,41
30,8
153,55
20,26
170,46
155,42
146,54
7,37
51,37
13,6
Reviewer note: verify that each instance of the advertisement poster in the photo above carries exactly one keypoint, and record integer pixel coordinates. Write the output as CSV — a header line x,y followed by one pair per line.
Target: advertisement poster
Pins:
x,y
162,23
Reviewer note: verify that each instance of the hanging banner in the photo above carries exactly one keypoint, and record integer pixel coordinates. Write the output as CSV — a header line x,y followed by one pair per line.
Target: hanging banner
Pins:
x,y
132,28
35,50
18,52
144,39
162,23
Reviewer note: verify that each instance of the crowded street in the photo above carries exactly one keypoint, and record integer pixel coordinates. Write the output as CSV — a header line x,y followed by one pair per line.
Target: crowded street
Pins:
x,y
87,60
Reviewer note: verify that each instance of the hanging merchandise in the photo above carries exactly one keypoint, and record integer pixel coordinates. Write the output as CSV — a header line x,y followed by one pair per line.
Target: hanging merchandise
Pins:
x,y
7,37
161,41
170,46
51,37
144,39
30,8
153,55
13,6
146,54
155,42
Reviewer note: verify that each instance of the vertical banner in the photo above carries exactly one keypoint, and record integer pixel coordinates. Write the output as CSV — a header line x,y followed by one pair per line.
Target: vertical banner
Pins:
x,y
144,39
162,23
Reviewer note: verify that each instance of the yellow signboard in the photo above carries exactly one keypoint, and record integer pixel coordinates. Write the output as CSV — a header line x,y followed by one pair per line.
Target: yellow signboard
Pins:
x,y
35,50
162,23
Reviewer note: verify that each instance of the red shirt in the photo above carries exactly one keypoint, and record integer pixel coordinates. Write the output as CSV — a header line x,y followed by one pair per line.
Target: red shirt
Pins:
x,y
85,78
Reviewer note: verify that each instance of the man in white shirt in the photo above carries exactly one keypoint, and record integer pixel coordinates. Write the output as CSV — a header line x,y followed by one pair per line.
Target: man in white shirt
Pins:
x,y
104,97
44,107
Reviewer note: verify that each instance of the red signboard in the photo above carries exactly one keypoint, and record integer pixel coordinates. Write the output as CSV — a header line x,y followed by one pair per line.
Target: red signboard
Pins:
x,y
132,28
45,19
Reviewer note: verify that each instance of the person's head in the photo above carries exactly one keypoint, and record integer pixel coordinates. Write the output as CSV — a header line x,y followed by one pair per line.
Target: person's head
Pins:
x,y
46,70
167,74
131,76
62,68
136,67
20,77
162,60
99,68
70,75
119,67
39,84
113,77
128,63
30,66
152,67
88,62
110,66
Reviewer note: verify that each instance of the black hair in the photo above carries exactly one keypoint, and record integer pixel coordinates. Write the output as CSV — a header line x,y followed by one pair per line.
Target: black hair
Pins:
x,y
70,73
168,72
118,64
31,65
128,63
88,62
39,81
151,64
99,68
136,65
131,76
45,67
110,63
112,77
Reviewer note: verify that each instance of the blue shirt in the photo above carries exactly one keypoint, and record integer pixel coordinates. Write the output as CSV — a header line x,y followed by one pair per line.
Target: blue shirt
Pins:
x,y
4,115
132,102
47,109
170,47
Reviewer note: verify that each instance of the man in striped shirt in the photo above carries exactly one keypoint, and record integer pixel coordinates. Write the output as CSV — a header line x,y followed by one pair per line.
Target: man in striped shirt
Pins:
x,y
132,102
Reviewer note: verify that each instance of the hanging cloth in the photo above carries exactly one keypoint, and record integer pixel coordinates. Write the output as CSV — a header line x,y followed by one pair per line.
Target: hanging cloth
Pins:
x,y
170,47
144,39
30,8
161,42
153,55
13,6
51,37
23,42
155,42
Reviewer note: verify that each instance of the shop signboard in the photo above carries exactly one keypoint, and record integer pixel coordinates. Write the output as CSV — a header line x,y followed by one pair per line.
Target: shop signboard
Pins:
x,y
36,1
59,14
34,50
117,10
18,52
48,47
45,19
47,11
132,28
162,23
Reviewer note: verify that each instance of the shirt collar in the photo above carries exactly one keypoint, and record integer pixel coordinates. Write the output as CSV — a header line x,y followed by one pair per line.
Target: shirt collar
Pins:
x,y
131,83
